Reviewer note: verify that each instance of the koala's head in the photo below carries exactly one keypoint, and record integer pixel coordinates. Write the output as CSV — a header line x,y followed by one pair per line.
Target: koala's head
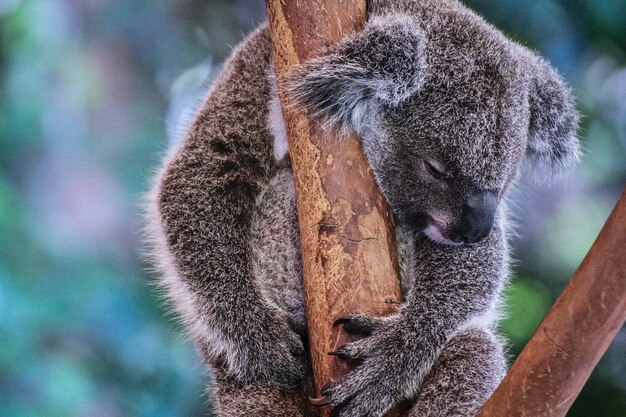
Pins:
x,y
448,109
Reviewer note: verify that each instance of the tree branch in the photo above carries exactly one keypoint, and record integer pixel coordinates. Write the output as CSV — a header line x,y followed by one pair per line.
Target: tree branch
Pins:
x,y
553,367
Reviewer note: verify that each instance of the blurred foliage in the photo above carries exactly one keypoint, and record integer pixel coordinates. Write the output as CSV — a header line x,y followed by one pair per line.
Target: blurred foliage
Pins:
x,y
89,92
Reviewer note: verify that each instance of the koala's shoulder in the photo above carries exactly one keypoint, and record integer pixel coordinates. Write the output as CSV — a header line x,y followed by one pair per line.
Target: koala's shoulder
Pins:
x,y
256,48
247,67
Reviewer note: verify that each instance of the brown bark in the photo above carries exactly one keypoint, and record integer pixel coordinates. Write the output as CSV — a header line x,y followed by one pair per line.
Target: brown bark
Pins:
x,y
553,367
348,243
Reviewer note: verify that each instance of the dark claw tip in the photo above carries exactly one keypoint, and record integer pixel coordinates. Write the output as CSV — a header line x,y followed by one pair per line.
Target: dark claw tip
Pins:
x,y
340,354
319,402
342,320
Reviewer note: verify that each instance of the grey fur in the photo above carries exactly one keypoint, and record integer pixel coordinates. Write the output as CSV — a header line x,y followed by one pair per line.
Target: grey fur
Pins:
x,y
342,85
427,83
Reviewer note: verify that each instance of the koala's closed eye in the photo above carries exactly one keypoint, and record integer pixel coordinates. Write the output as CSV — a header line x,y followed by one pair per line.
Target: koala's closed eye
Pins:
x,y
436,170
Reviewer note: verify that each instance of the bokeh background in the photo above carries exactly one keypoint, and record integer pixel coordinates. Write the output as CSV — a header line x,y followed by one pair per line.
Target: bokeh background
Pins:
x,y
92,93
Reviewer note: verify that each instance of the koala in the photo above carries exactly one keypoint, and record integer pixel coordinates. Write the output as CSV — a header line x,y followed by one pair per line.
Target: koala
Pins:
x,y
449,111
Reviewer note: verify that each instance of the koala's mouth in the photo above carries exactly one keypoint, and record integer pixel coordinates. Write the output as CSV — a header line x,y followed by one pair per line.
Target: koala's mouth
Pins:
x,y
435,233
434,227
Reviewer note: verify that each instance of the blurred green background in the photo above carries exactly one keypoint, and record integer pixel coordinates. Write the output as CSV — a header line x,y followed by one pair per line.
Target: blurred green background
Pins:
x,y
92,92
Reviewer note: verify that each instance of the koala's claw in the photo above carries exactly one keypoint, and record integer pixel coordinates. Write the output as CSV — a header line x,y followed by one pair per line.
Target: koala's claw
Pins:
x,y
352,351
341,320
359,324
340,354
390,367
319,402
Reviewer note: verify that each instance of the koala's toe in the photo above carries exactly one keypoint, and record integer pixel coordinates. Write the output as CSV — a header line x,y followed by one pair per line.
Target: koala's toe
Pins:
x,y
358,350
359,324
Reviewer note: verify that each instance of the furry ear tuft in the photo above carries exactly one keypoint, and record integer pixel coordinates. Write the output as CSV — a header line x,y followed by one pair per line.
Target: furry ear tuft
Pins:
x,y
552,142
384,63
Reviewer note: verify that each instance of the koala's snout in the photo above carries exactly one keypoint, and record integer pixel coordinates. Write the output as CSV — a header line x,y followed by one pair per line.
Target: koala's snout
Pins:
x,y
477,219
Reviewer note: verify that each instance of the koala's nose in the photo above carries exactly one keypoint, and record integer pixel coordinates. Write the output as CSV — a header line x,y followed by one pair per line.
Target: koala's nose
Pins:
x,y
478,217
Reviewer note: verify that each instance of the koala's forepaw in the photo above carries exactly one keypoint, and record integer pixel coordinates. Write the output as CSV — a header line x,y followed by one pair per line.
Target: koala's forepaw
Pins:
x,y
392,360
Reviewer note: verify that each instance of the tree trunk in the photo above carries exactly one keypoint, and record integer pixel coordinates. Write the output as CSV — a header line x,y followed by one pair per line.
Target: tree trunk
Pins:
x,y
346,229
553,367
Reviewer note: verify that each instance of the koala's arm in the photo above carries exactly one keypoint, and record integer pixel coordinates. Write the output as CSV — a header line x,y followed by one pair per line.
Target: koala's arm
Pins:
x,y
205,201
454,286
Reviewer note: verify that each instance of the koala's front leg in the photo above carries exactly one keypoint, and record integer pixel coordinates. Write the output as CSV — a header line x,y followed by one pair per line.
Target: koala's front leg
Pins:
x,y
453,285
205,202
232,399
465,374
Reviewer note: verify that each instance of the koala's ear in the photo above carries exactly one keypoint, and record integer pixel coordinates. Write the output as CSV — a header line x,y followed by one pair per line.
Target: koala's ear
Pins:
x,y
383,63
552,142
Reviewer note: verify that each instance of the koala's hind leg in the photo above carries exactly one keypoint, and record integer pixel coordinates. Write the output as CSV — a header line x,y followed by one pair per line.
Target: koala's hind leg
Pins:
x,y
467,371
233,399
